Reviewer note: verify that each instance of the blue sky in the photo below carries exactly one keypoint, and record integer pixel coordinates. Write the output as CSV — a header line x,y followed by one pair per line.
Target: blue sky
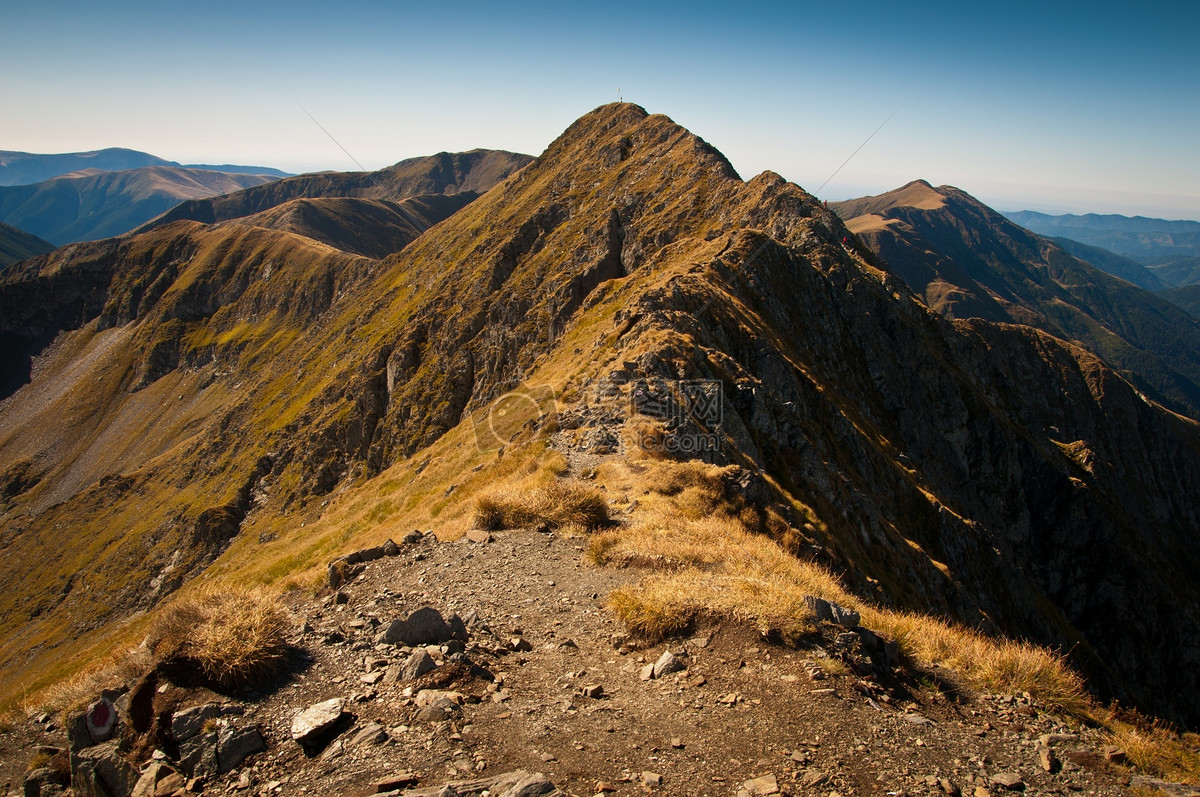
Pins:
x,y
1049,106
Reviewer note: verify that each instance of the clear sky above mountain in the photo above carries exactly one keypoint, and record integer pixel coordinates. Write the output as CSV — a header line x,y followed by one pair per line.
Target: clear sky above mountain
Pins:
x,y
1048,106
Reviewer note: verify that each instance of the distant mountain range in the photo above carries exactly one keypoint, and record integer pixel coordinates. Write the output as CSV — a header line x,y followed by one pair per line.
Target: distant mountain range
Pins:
x,y
1148,241
92,204
23,168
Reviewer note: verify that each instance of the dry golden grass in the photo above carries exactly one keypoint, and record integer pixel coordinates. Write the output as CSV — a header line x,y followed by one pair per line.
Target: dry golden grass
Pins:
x,y
234,637
1154,747
709,561
560,503
122,667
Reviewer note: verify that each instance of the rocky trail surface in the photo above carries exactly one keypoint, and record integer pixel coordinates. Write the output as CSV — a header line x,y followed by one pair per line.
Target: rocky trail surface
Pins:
x,y
528,686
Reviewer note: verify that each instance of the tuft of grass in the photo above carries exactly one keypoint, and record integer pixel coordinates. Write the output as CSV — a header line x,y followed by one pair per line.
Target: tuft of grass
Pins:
x,y
234,637
560,503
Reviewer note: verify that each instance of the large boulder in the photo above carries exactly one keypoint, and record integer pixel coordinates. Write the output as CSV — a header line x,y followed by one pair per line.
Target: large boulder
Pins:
x,y
425,626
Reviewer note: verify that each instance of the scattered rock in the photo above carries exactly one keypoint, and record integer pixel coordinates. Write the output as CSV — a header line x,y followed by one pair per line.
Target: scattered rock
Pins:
x,y
158,779
651,778
312,726
667,663
479,536
417,665
594,691
1113,754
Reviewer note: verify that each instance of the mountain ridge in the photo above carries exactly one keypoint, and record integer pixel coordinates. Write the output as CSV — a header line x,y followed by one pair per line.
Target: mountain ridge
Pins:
x,y
475,170
981,470
967,260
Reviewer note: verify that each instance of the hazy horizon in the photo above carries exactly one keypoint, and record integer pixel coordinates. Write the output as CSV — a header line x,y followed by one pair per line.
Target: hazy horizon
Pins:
x,y
1076,108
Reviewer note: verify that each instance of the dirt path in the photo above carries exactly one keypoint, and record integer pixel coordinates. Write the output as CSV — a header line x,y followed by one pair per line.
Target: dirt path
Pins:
x,y
742,708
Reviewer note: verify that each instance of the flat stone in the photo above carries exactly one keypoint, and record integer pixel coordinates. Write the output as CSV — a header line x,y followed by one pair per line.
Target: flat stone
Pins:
x,y
532,785
647,673
756,787
651,778
1008,780
371,734
189,722
594,691
235,745
310,725
198,755
479,536
401,780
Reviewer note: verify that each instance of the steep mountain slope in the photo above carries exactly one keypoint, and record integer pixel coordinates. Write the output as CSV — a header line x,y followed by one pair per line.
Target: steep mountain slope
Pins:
x,y
25,168
968,261
1138,237
302,398
89,205
368,227
1113,264
17,245
444,173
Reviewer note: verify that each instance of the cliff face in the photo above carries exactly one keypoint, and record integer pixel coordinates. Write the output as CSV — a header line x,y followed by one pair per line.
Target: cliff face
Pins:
x,y
976,468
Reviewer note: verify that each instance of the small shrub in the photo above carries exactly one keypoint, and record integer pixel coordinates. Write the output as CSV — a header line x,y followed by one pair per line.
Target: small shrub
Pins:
x,y
233,637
